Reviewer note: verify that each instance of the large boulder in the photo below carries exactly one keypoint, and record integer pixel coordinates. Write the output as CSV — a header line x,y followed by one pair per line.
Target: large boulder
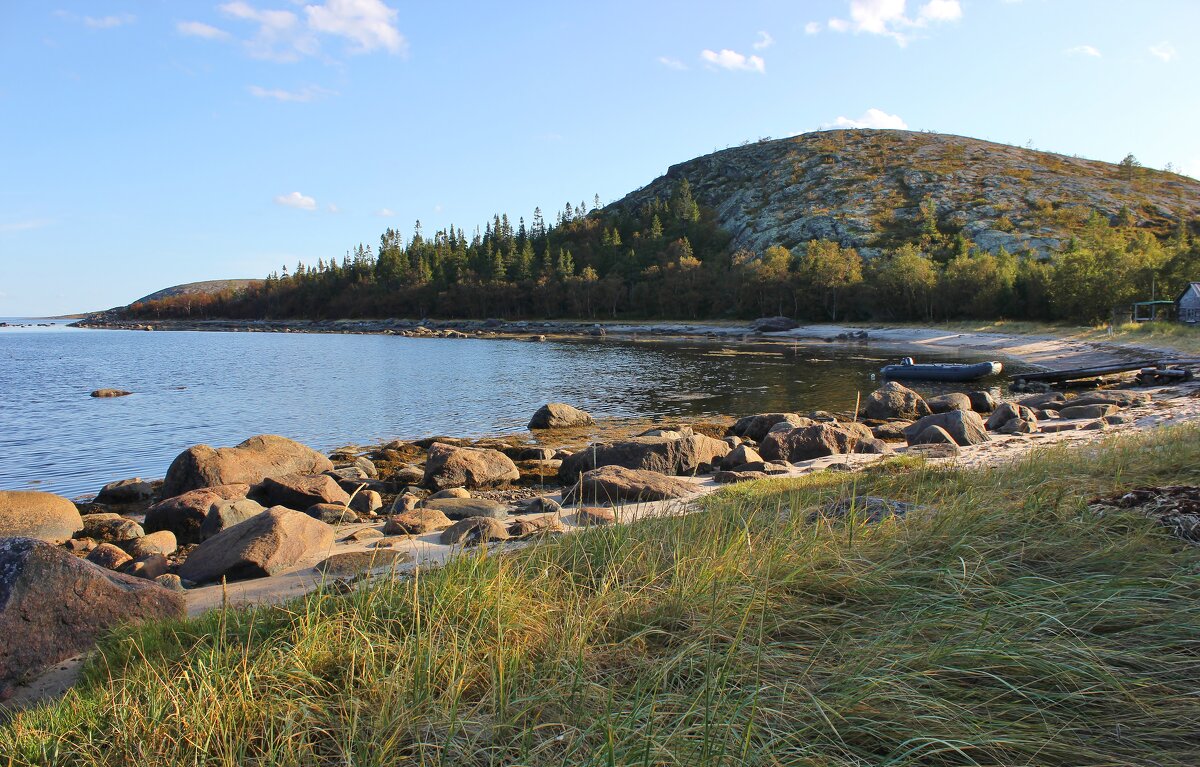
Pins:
x,y
612,484
814,441
300,491
264,545
34,514
249,463
463,508
54,605
225,514
1121,398
450,466
473,531
947,402
965,427
983,401
757,426
1007,412
184,514
125,491
892,401
416,522
741,454
1087,411
557,415
774,324
112,528
684,455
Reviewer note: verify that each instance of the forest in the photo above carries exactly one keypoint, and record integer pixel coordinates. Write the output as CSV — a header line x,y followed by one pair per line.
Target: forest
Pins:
x,y
669,260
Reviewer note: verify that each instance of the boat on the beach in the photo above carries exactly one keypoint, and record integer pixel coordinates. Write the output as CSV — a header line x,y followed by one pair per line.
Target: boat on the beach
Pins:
x,y
909,370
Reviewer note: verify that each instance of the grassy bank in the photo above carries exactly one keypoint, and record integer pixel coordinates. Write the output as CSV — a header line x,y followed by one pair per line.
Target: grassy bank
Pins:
x,y
1012,627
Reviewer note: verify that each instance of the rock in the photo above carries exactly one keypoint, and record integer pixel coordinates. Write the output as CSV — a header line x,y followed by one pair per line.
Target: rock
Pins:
x,y
34,514
249,463
1095,426
351,563
1119,418
1019,426
366,501
170,582
363,535
450,466
773,324
755,427
54,605
539,472
125,491
687,455
1048,401
814,441
536,454
348,474
360,464
462,508
1077,412
184,514
331,513
225,514
612,484
416,522
1057,426
451,492
523,528
408,475
769,468
264,545
1120,398
873,447
557,415
934,450
870,508
112,528
934,435
731,477
109,556
1047,415
892,430
538,505
110,393
964,426
593,517
947,402
149,566
982,401
79,545
740,455
403,503
300,491
892,401
1007,412
474,530
162,543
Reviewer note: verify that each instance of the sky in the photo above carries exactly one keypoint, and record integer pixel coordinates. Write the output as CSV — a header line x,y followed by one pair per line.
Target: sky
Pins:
x,y
147,143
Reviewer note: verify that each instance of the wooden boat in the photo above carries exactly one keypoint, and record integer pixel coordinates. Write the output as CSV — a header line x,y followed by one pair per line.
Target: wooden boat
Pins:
x,y
908,370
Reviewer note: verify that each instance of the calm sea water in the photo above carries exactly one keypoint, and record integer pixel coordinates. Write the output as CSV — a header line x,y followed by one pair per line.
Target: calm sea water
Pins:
x,y
331,390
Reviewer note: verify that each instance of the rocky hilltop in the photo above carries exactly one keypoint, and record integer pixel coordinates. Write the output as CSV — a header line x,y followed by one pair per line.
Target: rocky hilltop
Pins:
x,y
866,189
206,287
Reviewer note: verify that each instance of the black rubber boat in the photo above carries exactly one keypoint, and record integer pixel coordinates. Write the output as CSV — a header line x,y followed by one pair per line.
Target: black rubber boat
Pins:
x,y
908,370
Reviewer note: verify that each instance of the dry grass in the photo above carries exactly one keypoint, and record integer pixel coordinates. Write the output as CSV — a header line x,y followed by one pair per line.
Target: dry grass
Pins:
x,y
1011,628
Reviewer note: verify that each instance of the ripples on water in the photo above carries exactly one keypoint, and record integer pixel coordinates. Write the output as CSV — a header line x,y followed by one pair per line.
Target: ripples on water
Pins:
x,y
330,390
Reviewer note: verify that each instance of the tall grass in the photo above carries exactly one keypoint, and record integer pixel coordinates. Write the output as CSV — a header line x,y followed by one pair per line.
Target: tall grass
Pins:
x,y
1012,627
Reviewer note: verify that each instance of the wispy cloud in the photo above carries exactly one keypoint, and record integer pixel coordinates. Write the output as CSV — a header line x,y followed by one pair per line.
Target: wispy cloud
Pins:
x,y
385,213
305,94
369,24
1083,50
764,41
1164,51
98,22
201,30
890,18
671,63
282,35
734,61
296,200
872,118
24,226
812,28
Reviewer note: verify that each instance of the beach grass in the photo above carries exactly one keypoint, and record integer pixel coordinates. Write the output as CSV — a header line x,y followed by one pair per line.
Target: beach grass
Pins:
x,y
1010,626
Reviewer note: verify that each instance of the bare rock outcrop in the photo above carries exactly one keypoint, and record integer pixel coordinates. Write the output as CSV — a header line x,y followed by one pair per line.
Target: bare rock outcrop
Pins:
x,y
252,461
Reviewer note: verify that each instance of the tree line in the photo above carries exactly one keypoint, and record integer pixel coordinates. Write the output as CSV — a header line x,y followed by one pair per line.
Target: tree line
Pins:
x,y
669,259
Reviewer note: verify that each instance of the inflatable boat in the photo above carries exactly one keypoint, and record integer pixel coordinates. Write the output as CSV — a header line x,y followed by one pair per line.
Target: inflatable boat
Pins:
x,y
908,370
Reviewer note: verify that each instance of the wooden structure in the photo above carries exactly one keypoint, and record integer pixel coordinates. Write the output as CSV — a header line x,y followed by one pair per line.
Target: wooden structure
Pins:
x,y
1149,371
1187,306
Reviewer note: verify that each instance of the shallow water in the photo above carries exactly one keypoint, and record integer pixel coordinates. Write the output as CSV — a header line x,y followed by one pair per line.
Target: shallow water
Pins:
x,y
331,390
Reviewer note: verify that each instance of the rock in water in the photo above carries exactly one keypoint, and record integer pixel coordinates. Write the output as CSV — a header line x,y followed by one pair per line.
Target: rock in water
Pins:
x,y
263,545
54,605
249,463
110,393
450,466
611,484
558,415
33,514
894,401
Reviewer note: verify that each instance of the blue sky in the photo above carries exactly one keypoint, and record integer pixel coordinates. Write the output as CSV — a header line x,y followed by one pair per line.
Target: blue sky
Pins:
x,y
152,142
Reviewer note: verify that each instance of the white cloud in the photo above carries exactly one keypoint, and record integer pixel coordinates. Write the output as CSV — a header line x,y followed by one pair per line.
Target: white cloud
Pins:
x,y
764,41
200,29
24,226
333,208
812,27
890,19
307,93
98,22
671,63
280,35
872,118
385,213
296,200
1083,50
1164,51
733,60
368,23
